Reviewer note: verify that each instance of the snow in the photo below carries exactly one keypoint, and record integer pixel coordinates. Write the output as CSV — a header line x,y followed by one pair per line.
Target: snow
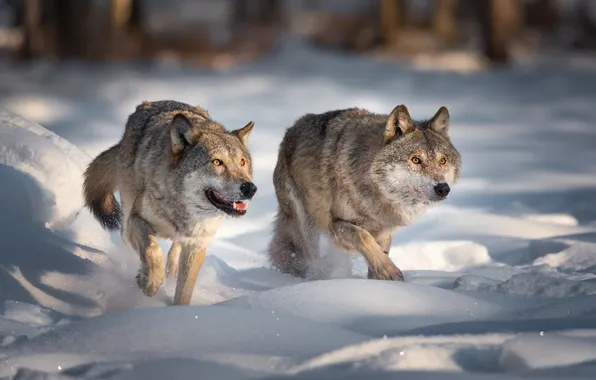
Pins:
x,y
47,159
523,352
394,306
500,280
196,333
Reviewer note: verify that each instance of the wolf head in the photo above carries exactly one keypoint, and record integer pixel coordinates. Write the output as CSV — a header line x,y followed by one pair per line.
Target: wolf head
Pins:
x,y
417,163
213,167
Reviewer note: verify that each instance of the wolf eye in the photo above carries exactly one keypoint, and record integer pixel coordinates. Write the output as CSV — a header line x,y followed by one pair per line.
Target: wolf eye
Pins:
x,y
217,162
443,161
242,162
416,160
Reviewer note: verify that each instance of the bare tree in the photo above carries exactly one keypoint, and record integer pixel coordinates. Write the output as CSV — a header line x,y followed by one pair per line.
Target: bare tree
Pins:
x,y
499,22
72,27
587,26
270,12
241,13
389,14
120,13
445,20
79,29
32,45
542,14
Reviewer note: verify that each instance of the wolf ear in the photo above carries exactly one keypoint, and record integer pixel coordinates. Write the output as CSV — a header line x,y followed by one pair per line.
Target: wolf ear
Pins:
x,y
440,122
182,133
399,123
243,133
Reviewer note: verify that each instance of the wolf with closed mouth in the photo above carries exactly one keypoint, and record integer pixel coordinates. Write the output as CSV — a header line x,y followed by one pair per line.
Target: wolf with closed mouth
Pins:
x,y
178,173
358,177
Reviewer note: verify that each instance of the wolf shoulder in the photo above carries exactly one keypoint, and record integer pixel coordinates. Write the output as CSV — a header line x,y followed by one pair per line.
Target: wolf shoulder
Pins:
x,y
342,134
315,129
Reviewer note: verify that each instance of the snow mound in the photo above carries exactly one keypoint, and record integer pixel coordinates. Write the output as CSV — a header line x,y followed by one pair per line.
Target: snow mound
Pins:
x,y
30,314
51,243
562,219
440,353
579,257
55,165
440,255
526,351
218,333
368,306
546,284
533,282
501,353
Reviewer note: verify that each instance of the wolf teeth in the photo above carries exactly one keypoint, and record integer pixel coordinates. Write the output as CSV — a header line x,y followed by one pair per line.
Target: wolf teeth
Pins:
x,y
240,205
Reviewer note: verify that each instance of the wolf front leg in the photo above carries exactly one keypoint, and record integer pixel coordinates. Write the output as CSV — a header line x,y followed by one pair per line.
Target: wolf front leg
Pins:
x,y
351,237
139,235
384,241
191,261
173,259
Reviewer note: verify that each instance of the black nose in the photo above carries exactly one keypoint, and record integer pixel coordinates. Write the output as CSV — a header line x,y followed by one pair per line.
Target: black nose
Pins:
x,y
248,189
442,189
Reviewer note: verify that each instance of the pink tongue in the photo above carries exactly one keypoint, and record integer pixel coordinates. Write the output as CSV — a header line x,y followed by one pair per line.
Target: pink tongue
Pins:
x,y
240,205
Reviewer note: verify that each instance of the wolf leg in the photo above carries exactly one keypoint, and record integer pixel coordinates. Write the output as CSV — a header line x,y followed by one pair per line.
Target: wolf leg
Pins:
x,y
173,259
384,241
191,261
286,250
139,235
295,238
351,237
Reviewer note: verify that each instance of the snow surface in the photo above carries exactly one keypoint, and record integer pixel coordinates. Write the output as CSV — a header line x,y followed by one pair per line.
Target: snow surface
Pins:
x,y
500,280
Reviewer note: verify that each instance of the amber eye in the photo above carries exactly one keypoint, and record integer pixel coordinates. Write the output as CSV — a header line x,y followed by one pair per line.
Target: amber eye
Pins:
x,y
217,162
242,162
416,160
443,161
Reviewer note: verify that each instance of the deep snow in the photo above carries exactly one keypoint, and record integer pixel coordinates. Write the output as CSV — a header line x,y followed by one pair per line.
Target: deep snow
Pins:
x,y
500,280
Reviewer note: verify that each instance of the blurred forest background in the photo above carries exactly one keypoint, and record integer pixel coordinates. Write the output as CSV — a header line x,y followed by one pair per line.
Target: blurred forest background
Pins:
x,y
220,33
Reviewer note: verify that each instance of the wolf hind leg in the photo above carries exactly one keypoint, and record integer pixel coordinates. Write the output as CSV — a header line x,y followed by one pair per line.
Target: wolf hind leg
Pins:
x,y
295,238
287,251
140,236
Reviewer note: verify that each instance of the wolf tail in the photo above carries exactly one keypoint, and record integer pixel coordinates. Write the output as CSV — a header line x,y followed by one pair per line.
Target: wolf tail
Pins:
x,y
99,186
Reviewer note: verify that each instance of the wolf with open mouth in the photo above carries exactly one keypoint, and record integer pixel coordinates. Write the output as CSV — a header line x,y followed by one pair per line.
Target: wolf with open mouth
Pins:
x,y
178,173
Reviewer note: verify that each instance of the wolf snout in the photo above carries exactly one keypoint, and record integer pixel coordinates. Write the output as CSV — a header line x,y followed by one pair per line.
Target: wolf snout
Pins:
x,y
442,189
248,189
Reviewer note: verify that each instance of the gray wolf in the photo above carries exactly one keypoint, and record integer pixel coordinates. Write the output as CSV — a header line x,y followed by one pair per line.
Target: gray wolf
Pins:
x,y
178,173
358,177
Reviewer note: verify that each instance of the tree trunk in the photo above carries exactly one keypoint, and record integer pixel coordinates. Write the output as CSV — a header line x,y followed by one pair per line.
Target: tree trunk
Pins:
x,y
445,20
135,22
71,25
389,15
499,21
32,45
270,12
241,13
587,27
121,11
542,14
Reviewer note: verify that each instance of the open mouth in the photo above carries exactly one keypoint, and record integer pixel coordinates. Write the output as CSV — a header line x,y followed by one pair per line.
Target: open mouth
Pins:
x,y
234,208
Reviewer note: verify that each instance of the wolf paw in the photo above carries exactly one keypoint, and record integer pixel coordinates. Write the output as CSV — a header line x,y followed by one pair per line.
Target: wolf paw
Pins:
x,y
387,272
149,286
